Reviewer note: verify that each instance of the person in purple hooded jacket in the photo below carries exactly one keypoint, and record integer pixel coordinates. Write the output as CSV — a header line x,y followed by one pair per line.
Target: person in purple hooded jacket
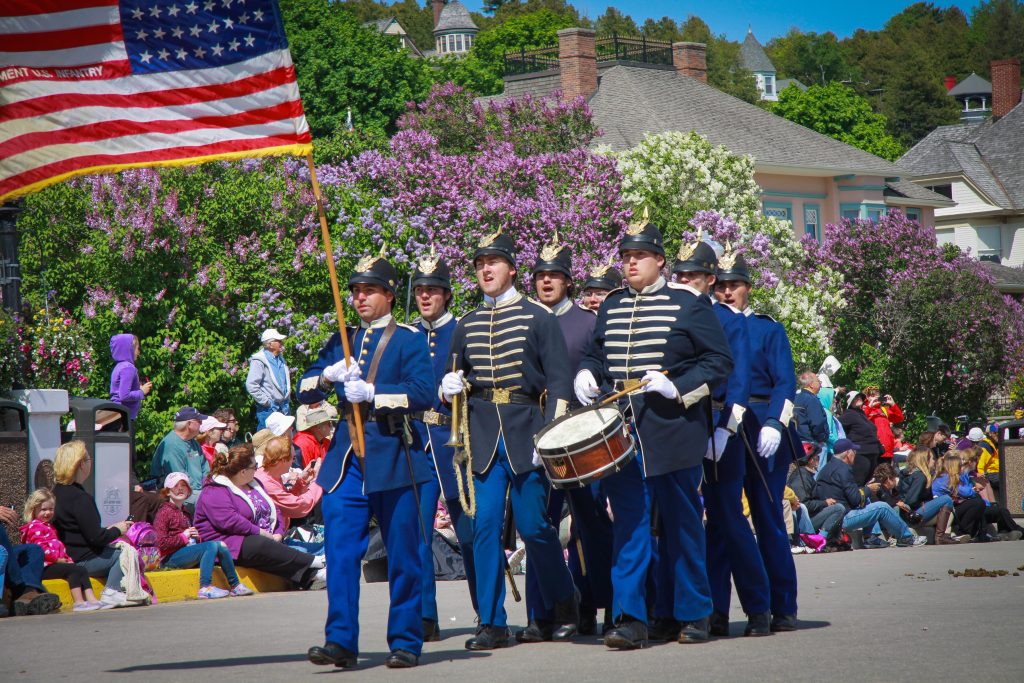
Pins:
x,y
124,379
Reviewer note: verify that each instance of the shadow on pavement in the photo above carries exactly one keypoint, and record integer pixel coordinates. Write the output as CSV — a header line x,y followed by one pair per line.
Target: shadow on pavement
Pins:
x,y
213,663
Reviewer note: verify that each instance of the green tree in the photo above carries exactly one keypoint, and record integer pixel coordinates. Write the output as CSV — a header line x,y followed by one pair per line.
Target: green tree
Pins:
x,y
725,68
809,57
614,22
837,111
340,65
665,29
996,32
916,102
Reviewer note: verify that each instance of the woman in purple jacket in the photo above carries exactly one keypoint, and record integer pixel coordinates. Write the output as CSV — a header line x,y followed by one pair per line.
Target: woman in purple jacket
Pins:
x,y
124,379
234,508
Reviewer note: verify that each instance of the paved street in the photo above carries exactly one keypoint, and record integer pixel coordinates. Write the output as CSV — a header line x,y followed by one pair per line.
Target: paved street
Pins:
x,y
883,615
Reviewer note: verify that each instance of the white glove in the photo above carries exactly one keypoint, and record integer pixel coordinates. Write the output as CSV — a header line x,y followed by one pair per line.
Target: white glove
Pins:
x,y
451,384
537,461
358,391
721,441
768,441
586,387
661,384
711,454
342,371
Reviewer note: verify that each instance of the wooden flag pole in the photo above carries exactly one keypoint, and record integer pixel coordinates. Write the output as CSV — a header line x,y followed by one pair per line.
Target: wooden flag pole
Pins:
x,y
360,446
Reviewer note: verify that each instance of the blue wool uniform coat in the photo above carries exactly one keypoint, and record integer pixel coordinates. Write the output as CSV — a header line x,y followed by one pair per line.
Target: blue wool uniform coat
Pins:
x,y
439,341
733,395
665,327
404,384
515,345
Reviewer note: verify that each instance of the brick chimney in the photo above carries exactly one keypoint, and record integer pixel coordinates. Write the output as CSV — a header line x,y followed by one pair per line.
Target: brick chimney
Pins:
x,y
438,5
577,62
691,59
949,82
1005,86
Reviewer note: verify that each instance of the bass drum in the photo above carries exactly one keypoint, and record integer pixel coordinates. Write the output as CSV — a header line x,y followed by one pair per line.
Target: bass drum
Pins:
x,y
585,445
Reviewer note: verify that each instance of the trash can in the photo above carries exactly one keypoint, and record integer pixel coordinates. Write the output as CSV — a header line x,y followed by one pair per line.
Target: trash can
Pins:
x,y
46,408
1011,467
14,473
104,429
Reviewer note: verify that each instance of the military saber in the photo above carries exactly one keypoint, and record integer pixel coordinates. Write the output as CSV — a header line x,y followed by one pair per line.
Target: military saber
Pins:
x,y
505,535
753,458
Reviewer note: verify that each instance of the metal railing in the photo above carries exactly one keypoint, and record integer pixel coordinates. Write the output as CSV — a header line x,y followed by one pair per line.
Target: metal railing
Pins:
x,y
614,48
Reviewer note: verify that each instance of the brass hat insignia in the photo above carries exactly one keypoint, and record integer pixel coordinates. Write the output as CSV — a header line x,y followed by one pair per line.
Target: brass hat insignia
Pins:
x,y
686,250
728,259
488,240
365,263
638,227
602,270
551,250
428,263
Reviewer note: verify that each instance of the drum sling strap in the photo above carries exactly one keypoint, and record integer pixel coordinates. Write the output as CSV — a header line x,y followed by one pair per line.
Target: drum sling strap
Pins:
x,y
364,409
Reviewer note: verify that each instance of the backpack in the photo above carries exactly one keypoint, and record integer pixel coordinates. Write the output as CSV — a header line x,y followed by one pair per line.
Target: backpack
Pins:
x,y
142,536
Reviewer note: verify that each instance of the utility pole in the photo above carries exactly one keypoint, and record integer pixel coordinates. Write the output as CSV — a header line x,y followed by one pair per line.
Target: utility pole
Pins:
x,y
10,265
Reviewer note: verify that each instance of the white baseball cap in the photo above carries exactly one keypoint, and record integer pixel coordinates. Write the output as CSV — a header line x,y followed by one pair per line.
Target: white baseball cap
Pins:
x,y
271,334
279,423
976,434
172,479
210,423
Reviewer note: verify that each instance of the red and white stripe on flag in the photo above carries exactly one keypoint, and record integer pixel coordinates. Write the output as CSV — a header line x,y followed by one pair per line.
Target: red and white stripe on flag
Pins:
x,y
90,86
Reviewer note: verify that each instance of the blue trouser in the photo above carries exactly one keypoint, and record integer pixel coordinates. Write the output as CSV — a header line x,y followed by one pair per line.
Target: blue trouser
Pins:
x,y
877,513
204,554
24,568
733,550
595,531
528,493
347,512
429,493
931,508
106,563
463,525
682,575
262,413
631,540
802,520
311,547
829,519
772,539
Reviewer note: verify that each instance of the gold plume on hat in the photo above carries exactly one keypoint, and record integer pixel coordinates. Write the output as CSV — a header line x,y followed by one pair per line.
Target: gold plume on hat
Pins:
x,y
637,227
367,261
428,263
551,250
686,250
489,239
728,258
602,270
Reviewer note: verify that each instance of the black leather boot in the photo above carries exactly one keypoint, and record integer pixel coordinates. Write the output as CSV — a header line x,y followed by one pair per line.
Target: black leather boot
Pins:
x,y
488,638
663,630
400,659
718,625
783,622
537,631
758,624
331,653
588,621
567,618
628,634
431,631
694,631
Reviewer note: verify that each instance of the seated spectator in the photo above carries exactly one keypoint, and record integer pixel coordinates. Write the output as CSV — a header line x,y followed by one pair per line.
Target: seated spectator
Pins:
x,y
860,430
824,516
78,523
915,490
182,548
836,483
208,437
900,447
259,442
179,452
968,506
812,423
23,573
229,436
303,494
883,412
316,428
58,564
280,424
235,509
988,463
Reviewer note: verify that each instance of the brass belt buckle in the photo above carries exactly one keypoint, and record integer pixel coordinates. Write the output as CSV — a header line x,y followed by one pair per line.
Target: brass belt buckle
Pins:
x,y
501,396
631,384
431,417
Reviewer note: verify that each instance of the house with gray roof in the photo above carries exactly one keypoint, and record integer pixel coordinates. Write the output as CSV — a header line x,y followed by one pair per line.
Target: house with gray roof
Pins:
x,y
980,166
755,60
640,87
390,26
454,29
974,94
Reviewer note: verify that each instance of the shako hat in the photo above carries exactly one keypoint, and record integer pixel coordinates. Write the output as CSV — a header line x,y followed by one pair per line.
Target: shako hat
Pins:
x,y
696,257
643,235
374,270
432,271
496,244
554,258
732,267
605,276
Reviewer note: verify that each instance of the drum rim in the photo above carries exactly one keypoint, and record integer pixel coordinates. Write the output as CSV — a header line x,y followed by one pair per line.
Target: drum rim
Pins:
x,y
599,473
607,431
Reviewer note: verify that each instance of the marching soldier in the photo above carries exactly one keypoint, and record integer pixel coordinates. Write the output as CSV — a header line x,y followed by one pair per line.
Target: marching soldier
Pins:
x,y
591,528
730,541
432,287
389,378
511,351
603,279
772,389
667,343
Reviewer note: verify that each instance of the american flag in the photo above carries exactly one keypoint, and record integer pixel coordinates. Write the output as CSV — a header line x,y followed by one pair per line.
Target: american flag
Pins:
x,y
90,86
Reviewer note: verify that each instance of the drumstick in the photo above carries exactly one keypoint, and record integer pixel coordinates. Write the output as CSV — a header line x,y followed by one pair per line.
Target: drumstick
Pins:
x,y
619,394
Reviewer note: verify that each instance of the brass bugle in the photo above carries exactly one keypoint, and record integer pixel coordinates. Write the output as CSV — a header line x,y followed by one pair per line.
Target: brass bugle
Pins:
x,y
455,438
